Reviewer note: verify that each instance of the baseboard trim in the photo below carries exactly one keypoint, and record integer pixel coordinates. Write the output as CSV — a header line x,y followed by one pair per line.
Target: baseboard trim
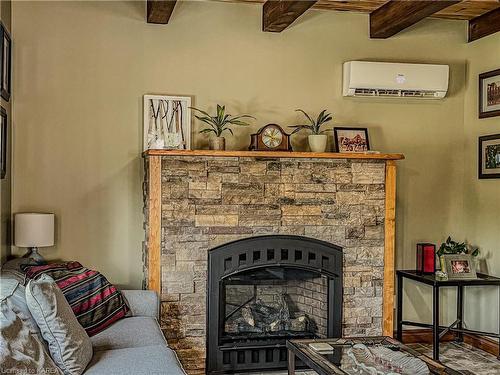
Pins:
x,y
412,336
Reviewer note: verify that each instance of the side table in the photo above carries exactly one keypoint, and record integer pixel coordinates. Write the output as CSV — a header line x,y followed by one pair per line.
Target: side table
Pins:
x,y
439,331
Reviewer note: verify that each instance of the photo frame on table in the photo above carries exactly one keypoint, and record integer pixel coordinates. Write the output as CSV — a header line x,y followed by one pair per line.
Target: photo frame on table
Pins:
x,y
5,58
167,122
460,267
489,156
351,139
3,143
489,94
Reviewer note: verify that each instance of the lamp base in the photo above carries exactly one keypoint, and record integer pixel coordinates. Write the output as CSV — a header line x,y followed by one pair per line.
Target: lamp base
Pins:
x,y
33,254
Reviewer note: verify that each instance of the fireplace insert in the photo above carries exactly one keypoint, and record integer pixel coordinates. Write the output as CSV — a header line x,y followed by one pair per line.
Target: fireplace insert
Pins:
x,y
267,289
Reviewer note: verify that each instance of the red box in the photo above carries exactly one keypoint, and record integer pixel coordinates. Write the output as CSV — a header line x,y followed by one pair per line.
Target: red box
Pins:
x,y
426,258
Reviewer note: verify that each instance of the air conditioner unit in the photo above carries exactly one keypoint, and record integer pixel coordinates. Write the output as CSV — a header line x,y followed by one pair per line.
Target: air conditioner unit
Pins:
x,y
395,80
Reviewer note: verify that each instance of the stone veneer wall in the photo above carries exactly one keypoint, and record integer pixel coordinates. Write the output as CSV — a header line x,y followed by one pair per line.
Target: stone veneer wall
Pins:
x,y
208,201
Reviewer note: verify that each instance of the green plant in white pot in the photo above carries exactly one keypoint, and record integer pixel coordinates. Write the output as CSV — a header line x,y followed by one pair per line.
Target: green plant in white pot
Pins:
x,y
317,139
453,247
219,123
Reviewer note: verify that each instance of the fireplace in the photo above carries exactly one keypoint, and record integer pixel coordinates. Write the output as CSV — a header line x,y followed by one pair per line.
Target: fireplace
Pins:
x,y
264,290
196,201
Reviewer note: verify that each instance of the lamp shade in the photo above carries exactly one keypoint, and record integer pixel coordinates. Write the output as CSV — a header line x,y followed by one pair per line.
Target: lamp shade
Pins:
x,y
33,230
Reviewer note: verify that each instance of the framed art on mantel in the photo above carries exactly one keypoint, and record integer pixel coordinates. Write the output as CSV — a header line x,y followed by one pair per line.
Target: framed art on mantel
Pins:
x,y
489,94
5,58
351,139
489,156
167,122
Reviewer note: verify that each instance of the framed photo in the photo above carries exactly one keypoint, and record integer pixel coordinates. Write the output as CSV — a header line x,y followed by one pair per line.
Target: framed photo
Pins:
x,y
489,94
5,52
489,156
351,139
459,266
167,122
3,143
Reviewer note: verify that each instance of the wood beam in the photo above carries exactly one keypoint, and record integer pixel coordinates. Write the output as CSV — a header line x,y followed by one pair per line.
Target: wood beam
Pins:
x,y
397,15
487,24
277,15
389,248
159,11
153,212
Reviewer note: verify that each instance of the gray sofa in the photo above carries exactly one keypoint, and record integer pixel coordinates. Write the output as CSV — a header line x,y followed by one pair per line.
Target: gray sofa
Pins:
x,y
134,345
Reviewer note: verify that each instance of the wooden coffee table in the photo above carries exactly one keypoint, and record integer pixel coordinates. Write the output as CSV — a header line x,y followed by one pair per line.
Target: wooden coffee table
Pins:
x,y
330,364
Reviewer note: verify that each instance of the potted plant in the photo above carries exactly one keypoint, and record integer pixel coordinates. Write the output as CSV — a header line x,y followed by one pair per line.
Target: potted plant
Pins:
x,y
453,247
219,124
317,140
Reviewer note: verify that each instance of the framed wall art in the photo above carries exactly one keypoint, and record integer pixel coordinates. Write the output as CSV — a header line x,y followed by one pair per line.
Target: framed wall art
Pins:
x,y
167,122
5,58
489,94
351,139
3,143
489,156
459,266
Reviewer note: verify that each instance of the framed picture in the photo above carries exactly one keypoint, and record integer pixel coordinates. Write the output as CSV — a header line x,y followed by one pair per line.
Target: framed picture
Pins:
x,y
167,122
489,156
459,266
489,94
5,51
3,143
351,139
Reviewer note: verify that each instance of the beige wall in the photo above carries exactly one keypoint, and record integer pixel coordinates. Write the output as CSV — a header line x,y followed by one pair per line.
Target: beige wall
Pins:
x,y
81,69
5,184
481,197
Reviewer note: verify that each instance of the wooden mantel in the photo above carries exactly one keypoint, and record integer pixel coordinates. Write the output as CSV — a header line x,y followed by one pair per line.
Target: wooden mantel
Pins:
x,y
154,211
276,154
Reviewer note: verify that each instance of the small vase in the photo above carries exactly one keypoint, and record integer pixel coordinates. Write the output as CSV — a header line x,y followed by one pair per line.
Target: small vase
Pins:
x,y
442,263
217,143
317,142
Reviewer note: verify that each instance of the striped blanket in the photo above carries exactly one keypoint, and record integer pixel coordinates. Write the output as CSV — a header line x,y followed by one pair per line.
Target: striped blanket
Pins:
x,y
95,302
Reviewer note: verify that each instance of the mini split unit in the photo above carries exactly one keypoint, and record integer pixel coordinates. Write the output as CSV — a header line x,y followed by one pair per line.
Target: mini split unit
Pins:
x,y
395,80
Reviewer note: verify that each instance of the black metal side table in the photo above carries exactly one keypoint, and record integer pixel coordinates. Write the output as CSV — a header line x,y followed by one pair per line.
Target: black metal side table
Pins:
x,y
439,331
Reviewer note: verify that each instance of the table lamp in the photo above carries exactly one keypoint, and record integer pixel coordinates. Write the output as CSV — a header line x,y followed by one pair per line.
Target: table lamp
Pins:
x,y
33,230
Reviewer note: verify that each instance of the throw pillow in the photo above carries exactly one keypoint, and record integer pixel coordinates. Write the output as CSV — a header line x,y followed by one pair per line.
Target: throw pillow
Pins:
x,y
22,348
69,344
95,301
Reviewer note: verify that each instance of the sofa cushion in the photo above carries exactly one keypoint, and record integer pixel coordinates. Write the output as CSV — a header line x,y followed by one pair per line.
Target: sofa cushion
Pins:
x,y
145,360
69,344
129,333
95,301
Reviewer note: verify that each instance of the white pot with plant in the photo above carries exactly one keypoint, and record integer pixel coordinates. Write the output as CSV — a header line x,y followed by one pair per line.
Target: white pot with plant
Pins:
x,y
317,139
219,124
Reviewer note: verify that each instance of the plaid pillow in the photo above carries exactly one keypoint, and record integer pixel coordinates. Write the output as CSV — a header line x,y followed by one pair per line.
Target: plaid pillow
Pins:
x,y
95,302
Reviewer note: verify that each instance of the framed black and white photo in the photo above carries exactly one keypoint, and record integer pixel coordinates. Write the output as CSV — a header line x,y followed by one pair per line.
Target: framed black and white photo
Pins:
x,y
5,51
459,266
167,122
3,143
489,94
489,156
351,139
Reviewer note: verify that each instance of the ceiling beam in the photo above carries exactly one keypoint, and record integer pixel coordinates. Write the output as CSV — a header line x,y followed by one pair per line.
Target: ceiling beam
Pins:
x,y
159,11
488,23
277,15
397,15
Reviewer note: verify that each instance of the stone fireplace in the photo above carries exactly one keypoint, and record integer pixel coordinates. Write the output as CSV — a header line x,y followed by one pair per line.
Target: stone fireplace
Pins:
x,y
199,202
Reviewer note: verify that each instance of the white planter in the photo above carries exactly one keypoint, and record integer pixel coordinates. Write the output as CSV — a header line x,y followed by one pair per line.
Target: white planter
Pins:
x,y
317,142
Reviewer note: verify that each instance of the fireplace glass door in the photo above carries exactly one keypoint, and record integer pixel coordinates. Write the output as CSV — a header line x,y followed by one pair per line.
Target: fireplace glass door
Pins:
x,y
273,303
